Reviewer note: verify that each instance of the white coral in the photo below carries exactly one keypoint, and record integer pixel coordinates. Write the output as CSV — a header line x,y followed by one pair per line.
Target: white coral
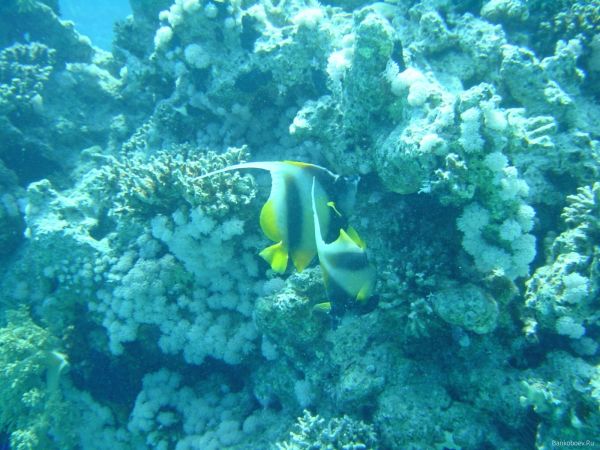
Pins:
x,y
567,326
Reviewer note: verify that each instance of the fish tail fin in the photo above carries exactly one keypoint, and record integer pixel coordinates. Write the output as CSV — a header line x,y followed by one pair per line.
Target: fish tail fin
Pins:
x,y
277,257
367,289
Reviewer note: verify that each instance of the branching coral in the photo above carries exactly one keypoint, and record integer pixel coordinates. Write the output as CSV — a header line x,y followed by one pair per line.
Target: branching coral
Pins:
x,y
177,277
563,19
560,296
583,209
30,365
168,180
337,433
24,69
571,412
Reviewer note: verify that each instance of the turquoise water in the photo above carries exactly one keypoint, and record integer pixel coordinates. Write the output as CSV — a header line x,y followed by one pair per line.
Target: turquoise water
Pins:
x,y
95,19
256,224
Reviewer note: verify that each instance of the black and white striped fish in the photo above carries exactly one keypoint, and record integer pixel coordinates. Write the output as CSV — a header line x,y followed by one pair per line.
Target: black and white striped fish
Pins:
x,y
286,218
346,269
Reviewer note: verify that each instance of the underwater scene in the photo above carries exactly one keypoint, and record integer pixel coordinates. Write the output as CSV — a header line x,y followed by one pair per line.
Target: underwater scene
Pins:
x,y
300,224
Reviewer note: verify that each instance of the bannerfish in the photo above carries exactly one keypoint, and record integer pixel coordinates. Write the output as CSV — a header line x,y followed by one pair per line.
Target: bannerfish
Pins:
x,y
286,218
344,264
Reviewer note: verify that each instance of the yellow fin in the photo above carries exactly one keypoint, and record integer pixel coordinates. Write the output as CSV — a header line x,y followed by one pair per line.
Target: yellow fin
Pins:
x,y
353,234
268,221
302,258
324,307
277,256
365,292
345,238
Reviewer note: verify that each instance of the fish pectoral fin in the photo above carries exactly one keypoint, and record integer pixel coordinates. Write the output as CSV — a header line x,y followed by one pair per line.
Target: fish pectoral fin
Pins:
x,y
365,292
324,307
353,234
277,257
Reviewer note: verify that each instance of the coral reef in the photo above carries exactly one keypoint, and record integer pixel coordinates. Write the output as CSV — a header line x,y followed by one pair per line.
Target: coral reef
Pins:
x,y
37,21
468,307
473,127
561,296
32,364
166,413
44,62
24,69
11,221
314,431
563,410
